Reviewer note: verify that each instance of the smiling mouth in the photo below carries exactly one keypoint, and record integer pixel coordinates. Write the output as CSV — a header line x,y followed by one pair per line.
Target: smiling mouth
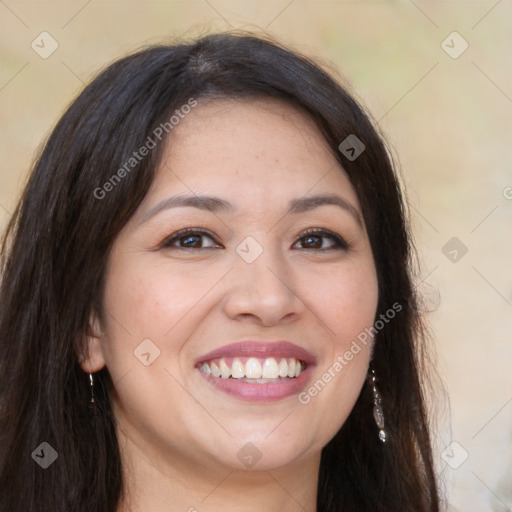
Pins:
x,y
254,369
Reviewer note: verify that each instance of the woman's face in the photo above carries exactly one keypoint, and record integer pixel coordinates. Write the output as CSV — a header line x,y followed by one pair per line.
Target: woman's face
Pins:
x,y
248,294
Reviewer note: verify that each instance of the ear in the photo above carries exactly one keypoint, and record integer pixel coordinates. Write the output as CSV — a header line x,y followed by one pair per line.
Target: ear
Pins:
x,y
91,359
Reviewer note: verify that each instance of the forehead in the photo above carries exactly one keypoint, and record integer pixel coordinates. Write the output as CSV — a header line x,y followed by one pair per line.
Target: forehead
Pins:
x,y
261,151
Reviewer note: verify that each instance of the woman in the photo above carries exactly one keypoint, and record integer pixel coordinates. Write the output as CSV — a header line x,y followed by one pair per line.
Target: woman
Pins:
x,y
207,300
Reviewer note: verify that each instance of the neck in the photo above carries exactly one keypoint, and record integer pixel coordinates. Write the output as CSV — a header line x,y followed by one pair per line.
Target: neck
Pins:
x,y
153,482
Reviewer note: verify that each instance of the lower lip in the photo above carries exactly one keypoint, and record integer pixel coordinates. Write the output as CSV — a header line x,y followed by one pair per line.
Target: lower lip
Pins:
x,y
268,392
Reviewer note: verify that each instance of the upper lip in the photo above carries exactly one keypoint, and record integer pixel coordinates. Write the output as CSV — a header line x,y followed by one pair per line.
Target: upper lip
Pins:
x,y
256,348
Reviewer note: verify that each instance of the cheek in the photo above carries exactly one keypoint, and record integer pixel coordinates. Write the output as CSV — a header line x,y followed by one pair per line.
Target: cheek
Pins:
x,y
345,299
157,303
346,303
153,301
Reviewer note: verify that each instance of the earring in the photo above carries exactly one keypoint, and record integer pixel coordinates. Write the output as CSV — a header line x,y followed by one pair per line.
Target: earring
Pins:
x,y
378,413
91,381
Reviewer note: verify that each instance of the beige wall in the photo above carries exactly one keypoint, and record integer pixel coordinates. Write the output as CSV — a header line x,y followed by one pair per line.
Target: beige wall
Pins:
x,y
449,119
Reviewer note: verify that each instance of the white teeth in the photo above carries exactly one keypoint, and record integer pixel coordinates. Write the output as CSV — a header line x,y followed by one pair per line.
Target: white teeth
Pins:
x,y
257,381
206,368
270,369
253,368
215,370
237,369
291,367
283,368
225,370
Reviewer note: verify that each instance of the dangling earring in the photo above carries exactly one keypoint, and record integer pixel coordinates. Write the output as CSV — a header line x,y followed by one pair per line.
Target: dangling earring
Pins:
x,y
378,413
91,380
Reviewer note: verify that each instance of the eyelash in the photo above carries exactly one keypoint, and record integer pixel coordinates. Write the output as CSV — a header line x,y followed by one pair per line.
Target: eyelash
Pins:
x,y
339,242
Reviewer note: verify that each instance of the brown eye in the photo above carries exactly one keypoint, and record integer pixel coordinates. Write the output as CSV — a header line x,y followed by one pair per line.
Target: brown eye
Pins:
x,y
312,242
189,239
315,239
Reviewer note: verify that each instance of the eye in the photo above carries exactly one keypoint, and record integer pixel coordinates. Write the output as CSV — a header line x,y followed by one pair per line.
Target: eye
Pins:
x,y
314,239
190,238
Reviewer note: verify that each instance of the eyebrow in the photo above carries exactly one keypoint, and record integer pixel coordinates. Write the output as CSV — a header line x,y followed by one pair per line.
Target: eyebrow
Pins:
x,y
218,205
304,204
208,203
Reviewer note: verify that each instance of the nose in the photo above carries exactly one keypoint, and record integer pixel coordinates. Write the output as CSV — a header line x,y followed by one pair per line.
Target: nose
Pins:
x,y
263,291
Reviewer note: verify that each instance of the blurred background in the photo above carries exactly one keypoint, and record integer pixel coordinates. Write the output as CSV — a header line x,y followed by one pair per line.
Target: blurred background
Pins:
x,y
437,78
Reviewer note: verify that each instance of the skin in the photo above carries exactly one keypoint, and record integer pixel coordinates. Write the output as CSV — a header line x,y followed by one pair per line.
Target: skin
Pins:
x,y
179,436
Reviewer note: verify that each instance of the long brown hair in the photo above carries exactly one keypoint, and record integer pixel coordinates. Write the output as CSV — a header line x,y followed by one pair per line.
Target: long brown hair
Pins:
x,y
57,243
